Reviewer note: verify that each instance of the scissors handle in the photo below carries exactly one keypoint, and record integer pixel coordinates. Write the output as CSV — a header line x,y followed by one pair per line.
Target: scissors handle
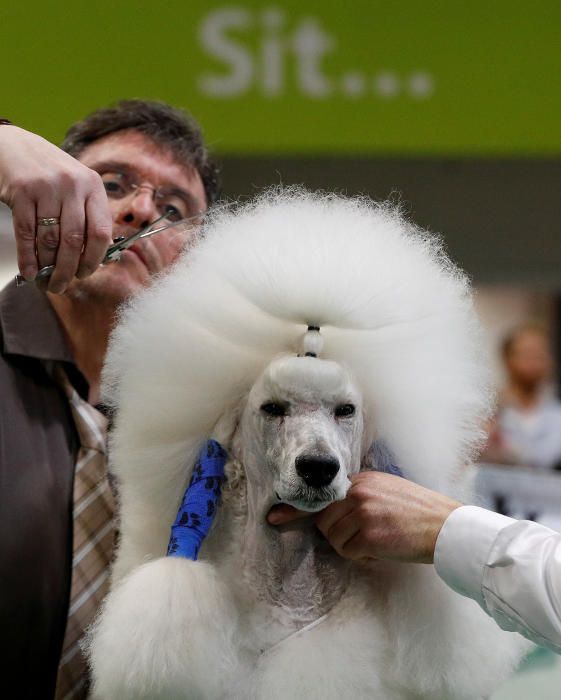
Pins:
x,y
43,272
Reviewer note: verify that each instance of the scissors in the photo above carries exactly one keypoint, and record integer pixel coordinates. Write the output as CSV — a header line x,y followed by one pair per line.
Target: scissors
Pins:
x,y
119,244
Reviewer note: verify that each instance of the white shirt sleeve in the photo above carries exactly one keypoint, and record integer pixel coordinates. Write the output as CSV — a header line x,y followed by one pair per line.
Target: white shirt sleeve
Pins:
x,y
512,568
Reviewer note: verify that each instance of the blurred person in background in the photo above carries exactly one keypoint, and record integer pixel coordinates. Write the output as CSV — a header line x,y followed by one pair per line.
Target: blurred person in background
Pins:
x,y
119,169
527,427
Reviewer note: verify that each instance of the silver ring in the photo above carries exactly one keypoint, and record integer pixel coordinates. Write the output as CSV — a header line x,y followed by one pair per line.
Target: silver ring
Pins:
x,y
48,221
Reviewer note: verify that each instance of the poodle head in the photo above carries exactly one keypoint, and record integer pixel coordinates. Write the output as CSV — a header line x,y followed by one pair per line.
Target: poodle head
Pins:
x,y
301,433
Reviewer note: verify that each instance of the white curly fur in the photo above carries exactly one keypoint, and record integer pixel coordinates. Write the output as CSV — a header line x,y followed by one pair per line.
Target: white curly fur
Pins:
x,y
397,315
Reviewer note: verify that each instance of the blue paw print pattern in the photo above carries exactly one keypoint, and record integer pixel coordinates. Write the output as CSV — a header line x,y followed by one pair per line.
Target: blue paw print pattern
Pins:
x,y
200,503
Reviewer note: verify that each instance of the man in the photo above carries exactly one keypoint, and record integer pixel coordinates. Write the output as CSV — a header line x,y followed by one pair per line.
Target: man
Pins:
x,y
527,428
135,162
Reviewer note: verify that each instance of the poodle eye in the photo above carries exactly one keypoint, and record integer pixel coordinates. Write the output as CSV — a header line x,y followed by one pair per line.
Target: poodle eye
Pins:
x,y
274,409
344,410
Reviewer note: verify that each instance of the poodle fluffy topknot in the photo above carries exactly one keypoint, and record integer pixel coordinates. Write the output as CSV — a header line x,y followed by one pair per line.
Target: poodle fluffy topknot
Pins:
x,y
298,330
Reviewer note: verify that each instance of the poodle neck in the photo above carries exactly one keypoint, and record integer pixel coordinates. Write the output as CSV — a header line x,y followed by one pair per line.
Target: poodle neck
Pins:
x,y
291,568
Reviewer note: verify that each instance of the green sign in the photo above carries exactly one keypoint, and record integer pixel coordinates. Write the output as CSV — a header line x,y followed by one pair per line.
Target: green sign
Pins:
x,y
394,77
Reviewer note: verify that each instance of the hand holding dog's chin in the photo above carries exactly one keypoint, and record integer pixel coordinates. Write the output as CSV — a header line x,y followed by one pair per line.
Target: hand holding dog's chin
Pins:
x,y
382,517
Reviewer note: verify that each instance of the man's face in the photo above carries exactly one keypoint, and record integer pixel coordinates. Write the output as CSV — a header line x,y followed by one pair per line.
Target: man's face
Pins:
x,y
130,157
529,361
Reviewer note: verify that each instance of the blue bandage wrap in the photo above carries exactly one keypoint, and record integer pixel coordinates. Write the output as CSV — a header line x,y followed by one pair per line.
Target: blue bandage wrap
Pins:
x,y
200,503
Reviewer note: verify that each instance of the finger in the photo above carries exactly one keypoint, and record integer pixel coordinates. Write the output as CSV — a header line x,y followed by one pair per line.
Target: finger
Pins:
x,y
370,477
47,237
342,531
330,515
99,232
283,513
357,548
24,218
72,225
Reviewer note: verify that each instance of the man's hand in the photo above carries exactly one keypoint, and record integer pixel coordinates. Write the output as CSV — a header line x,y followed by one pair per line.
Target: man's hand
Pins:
x,y
38,180
382,517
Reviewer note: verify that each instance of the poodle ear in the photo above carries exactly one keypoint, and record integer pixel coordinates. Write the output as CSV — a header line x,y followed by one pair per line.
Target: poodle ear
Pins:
x,y
369,461
226,426
380,458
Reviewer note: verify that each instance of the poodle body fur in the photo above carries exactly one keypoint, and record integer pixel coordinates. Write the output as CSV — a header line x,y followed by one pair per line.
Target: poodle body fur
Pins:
x,y
275,613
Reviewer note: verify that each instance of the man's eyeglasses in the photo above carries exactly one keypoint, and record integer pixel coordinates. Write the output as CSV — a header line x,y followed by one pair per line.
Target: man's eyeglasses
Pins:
x,y
173,203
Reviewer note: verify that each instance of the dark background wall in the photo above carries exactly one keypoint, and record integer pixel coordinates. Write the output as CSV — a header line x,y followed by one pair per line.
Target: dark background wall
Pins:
x,y
500,217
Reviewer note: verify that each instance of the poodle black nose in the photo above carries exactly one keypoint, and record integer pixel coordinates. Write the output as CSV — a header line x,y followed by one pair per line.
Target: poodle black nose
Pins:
x,y
317,471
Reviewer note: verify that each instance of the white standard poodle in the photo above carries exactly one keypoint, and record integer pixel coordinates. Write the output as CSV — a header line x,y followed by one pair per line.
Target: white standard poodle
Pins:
x,y
312,336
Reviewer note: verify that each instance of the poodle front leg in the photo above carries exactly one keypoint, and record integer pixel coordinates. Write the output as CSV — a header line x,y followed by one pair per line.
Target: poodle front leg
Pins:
x,y
167,631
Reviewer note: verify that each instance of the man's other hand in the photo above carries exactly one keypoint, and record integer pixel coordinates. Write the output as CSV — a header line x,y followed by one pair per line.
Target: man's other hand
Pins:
x,y
38,180
382,517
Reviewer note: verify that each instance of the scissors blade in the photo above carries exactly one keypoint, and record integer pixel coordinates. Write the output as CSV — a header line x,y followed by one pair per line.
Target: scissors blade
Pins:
x,y
146,232
116,249
187,223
